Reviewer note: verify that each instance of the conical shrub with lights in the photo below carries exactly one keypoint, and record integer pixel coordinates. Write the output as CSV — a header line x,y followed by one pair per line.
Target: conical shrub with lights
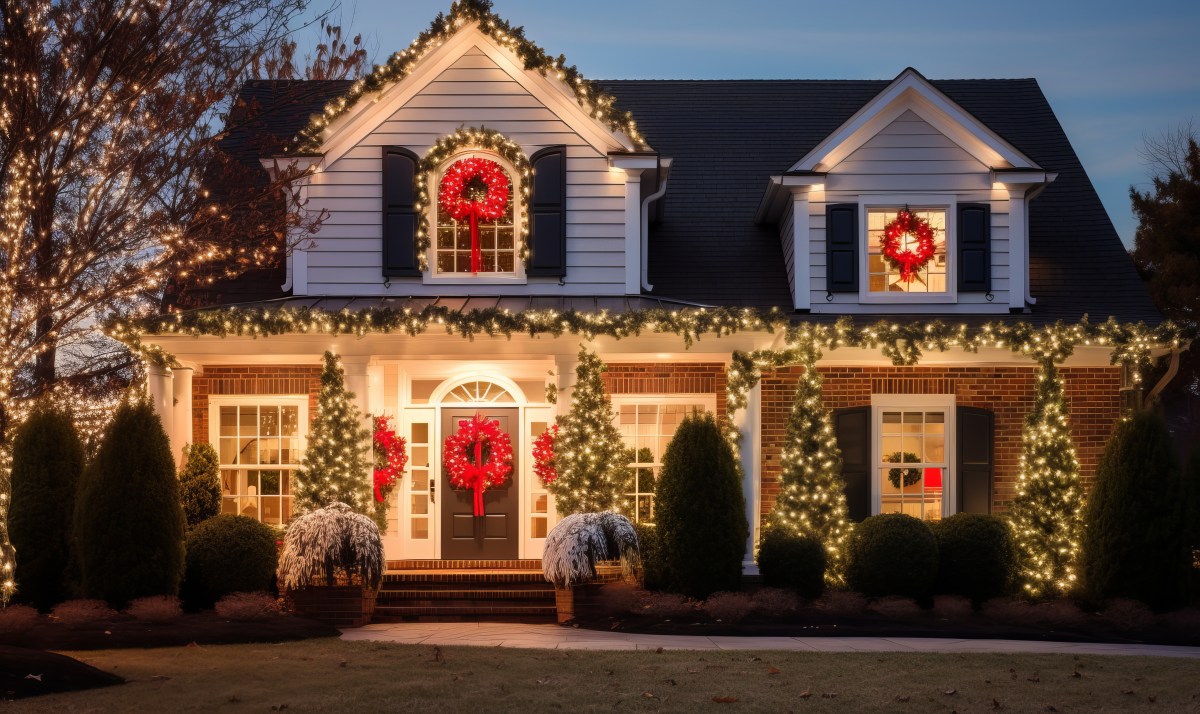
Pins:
x,y
335,468
1047,513
812,497
590,457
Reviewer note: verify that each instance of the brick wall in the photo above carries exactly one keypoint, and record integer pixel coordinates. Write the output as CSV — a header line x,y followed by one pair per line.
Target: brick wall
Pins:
x,y
680,378
1092,394
252,379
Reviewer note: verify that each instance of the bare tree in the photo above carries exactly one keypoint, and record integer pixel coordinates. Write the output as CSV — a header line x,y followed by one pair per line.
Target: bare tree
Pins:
x,y
1166,152
333,57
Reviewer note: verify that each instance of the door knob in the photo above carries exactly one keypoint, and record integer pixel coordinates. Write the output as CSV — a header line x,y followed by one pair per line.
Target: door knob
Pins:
x,y
432,490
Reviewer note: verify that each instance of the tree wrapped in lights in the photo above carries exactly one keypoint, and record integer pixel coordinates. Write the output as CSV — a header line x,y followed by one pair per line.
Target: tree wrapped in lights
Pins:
x,y
1047,514
335,467
8,554
812,497
591,459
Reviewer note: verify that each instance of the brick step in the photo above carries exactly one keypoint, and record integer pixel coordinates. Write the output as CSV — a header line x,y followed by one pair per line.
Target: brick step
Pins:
x,y
463,576
515,564
471,610
478,590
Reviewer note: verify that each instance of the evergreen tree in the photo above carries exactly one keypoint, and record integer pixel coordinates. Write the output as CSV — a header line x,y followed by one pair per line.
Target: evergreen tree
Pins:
x,y
1136,544
812,497
336,467
1046,515
128,524
591,459
47,463
200,483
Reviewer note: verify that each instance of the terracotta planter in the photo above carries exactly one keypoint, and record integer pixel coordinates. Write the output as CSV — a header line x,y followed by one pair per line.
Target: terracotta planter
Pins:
x,y
339,605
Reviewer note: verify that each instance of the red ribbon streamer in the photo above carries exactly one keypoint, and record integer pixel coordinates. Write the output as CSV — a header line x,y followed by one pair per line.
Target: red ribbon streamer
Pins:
x,y
476,253
477,475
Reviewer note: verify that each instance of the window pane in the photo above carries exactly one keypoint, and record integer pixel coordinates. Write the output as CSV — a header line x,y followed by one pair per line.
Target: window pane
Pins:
x,y
420,503
420,433
268,421
420,528
268,483
537,528
247,421
228,421
291,421
248,451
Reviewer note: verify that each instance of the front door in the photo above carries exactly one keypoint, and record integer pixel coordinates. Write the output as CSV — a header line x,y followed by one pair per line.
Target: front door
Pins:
x,y
496,534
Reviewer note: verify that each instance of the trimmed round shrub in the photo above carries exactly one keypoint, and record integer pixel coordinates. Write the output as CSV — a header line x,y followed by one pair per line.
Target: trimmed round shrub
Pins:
x,y
700,510
47,460
647,536
791,561
228,554
892,554
128,526
976,556
200,484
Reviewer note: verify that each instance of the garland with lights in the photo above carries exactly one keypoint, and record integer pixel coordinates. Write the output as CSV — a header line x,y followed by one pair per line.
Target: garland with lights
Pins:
x,y
391,456
478,456
474,189
597,103
543,456
442,151
907,243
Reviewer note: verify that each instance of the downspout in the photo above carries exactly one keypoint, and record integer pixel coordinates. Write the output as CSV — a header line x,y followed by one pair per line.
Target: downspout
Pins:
x,y
664,168
1029,299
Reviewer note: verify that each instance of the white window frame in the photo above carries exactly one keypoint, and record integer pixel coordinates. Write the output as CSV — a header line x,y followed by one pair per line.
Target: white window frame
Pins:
x,y
708,401
433,276
215,402
946,202
915,402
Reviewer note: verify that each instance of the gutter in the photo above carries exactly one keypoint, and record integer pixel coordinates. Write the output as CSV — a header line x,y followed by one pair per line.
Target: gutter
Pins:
x,y
664,172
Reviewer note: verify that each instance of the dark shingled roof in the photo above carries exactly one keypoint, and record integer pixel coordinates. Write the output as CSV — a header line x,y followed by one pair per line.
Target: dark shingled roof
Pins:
x,y
726,137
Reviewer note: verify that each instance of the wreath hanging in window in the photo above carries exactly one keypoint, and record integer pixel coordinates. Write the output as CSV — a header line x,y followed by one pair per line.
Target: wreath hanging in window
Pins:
x,y
907,243
910,476
474,189
391,456
478,456
543,456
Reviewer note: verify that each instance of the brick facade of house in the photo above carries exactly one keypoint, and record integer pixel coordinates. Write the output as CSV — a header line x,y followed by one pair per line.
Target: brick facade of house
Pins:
x,y
260,380
674,378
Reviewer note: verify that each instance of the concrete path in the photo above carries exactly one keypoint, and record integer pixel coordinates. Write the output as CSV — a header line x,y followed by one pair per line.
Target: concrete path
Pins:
x,y
497,634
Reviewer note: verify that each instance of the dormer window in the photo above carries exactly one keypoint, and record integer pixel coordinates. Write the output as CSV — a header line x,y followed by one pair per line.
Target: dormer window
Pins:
x,y
476,217
915,263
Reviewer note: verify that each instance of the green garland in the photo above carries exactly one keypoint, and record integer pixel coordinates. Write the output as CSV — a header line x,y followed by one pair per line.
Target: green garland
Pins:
x,y
446,147
588,94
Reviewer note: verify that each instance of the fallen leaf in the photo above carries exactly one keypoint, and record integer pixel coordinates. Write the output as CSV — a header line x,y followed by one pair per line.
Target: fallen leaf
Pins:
x,y
948,692
159,677
1152,698
671,682
829,695
1076,675
902,697
437,655
1034,678
648,695
233,699
1126,691
996,704
756,659
343,663
544,681
692,671
772,670
805,694
38,677
724,700
1051,708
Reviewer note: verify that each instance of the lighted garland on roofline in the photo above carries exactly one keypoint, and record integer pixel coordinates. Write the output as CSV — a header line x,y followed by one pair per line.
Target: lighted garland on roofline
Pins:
x,y
447,146
596,102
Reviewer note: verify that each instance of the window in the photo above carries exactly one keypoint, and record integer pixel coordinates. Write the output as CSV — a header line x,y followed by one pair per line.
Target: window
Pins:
x,y
912,460
497,236
647,425
260,446
885,277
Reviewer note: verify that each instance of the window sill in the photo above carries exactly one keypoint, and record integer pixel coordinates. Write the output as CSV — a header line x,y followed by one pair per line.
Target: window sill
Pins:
x,y
907,298
473,280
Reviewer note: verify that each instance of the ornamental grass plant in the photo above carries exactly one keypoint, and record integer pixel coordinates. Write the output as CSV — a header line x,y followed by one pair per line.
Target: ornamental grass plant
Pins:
x,y
331,546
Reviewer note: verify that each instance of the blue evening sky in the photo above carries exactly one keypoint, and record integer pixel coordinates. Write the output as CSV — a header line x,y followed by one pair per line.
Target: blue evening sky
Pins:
x,y
1113,71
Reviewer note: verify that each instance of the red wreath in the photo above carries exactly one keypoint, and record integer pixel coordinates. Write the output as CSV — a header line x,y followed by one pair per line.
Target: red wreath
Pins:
x,y
391,456
478,456
543,455
898,247
474,189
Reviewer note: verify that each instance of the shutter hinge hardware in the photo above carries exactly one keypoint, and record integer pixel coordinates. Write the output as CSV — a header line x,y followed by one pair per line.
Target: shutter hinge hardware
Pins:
x,y
989,296
387,283
828,296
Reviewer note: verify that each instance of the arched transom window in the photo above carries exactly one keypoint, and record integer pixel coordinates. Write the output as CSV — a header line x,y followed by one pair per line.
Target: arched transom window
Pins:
x,y
479,392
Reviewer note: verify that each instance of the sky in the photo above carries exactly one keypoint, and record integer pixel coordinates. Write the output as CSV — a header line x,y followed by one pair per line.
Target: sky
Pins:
x,y
1114,72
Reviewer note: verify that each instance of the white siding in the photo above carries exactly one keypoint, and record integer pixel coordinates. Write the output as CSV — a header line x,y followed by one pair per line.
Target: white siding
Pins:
x,y
788,241
474,91
910,156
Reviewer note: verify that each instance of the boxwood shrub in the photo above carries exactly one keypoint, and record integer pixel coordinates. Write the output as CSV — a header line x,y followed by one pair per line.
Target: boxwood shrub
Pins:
x,y
228,554
892,554
651,560
976,556
791,561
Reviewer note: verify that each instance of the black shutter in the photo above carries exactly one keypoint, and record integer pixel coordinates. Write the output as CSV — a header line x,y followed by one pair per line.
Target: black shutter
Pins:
x,y
841,248
974,248
399,213
976,459
548,214
852,428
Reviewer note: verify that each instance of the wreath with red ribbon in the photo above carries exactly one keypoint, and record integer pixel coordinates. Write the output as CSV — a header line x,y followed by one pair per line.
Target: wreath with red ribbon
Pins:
x,y
391,456
478,456
543,455
474,189
908,243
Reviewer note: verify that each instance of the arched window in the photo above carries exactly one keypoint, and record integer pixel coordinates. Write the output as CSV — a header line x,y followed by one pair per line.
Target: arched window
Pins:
x,y
477,173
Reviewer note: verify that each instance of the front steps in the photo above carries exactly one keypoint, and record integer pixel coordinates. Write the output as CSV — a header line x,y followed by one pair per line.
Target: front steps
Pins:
x,y
439,590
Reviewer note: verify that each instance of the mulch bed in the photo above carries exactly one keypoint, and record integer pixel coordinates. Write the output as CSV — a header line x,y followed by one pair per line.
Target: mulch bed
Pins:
x,y
28,673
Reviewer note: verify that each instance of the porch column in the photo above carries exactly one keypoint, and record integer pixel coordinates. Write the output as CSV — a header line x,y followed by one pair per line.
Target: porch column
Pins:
x,y
161,388
358,383
564,370
749,424
183,411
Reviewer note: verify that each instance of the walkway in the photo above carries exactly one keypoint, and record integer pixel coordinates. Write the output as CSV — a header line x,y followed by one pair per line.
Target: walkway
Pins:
x,y
498,634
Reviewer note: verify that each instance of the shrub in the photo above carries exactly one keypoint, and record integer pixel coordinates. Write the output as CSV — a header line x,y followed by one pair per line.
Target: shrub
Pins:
x,y
776,601
228,554
1008,609
156,608
842,603
1136,543
83,612
1128,614
17,618
701,512
200,484
47,459
616,599
331,545
952,607
128,525
574,546
247,606
792,561
668,605
650,553
892,554
976,556
895,607
728,607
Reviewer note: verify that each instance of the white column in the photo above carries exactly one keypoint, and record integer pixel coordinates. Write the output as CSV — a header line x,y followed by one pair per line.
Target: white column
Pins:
x,y
564,370
801,268
633,231
375,394
358,383
749,424
183,411
160,386
1018,261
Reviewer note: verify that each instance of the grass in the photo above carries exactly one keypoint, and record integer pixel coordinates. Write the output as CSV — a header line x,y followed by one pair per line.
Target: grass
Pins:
x,y
332,675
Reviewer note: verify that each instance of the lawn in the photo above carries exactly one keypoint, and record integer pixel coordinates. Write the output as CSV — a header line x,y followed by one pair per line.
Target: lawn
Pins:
x,y
332,675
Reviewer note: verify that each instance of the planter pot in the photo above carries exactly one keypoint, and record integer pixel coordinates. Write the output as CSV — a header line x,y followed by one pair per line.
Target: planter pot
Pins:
x,y
564,602
339,605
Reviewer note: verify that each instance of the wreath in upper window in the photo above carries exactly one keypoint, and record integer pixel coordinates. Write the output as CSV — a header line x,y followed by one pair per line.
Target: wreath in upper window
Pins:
x,y
474,189
907,243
